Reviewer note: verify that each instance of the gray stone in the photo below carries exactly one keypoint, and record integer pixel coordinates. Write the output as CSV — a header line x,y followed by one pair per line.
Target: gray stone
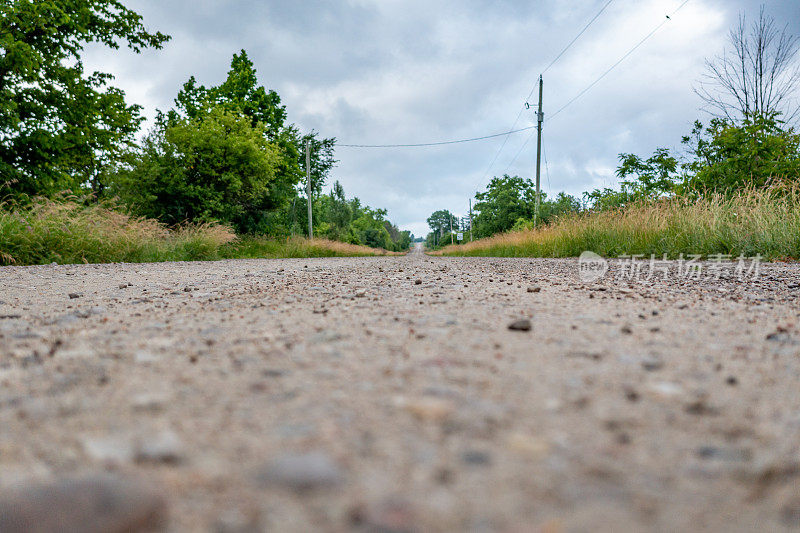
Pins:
x,y
94,504
520,325
301,472
651,364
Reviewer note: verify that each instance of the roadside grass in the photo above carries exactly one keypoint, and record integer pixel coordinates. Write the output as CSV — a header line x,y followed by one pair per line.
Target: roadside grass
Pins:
x,y
765,222
263,247
68,232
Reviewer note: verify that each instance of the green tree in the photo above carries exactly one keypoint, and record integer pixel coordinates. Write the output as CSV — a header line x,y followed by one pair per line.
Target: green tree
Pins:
x,y
441,220
727,157
59,127
506,200
653,177
216,167
340,214
241,93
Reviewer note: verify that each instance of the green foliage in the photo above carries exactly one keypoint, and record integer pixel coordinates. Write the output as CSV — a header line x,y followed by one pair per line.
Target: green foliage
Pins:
x,y
240,93
59,127
346,220
442,221
728,157
654,176
506,200
215,167
748,222
76,230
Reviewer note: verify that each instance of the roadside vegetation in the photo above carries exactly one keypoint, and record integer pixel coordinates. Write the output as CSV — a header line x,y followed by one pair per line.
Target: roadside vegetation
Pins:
x,y
732,189
67,231
221,174
751,222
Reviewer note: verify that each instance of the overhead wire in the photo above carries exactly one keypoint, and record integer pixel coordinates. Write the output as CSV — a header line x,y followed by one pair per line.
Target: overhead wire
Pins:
x,y
513,129
438,143
623,58
533,89
603,75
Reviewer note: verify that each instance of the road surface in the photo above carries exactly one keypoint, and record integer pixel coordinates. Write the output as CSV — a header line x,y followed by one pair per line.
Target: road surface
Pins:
x,y
389,394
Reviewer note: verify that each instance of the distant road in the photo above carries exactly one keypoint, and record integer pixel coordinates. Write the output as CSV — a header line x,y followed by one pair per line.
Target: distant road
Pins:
x,y
389,394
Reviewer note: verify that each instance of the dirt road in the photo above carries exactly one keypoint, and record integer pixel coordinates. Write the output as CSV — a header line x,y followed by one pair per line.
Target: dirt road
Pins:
x,y
389,394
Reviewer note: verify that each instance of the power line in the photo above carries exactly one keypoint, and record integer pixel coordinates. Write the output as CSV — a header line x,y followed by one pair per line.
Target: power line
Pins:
x,y
553,62
439,143
507,133
623,58
595,82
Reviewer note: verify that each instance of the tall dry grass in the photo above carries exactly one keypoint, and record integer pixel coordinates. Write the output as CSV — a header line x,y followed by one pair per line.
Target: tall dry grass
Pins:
x,y
262,247
71,232
765,222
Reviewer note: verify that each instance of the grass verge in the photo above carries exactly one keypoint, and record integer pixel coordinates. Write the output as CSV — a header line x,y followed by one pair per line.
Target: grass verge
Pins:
x,y
765,222
68,232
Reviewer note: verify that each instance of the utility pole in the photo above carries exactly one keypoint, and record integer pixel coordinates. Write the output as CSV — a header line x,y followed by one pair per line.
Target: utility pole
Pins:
x,y
451,230
308,188
540,119
470,220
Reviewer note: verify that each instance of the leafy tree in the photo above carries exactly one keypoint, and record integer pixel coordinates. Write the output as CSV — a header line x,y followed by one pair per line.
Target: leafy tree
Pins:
x,y
654,176
216,167
441,221
727,157
241,93
340,214
506,200
563,204
60,127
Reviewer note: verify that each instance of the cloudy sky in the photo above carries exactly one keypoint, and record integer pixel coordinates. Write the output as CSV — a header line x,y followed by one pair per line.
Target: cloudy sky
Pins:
x,y
417,71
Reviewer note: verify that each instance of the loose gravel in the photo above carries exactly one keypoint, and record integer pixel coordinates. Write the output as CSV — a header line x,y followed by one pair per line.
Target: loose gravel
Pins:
x,y
402,394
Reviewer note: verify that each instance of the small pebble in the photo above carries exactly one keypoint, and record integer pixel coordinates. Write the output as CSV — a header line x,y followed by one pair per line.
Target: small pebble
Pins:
x,y
520,325
430,409
475,457
301,472
651,364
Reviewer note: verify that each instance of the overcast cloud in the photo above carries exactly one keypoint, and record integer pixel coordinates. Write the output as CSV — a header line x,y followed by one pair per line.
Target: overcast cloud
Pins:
x,y
411,71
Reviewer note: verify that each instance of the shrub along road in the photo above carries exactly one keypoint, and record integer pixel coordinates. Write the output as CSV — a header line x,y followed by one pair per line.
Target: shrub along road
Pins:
x,y
390,394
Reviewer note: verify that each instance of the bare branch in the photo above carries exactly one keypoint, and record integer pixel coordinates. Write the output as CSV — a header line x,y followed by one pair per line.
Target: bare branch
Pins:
x,y
759,73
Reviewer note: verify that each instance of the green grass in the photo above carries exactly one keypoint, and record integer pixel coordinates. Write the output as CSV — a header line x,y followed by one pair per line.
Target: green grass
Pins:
x,y
765,222
68,232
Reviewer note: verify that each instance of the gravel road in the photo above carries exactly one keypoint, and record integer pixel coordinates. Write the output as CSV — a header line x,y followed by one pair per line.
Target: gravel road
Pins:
x,y
389,394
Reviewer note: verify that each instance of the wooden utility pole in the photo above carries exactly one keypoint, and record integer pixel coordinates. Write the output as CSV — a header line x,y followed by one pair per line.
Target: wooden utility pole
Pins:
x,y
539,119
451,230
308,188
470,219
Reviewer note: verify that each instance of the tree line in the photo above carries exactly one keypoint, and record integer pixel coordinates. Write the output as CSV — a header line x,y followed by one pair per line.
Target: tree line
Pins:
x,y
223,153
